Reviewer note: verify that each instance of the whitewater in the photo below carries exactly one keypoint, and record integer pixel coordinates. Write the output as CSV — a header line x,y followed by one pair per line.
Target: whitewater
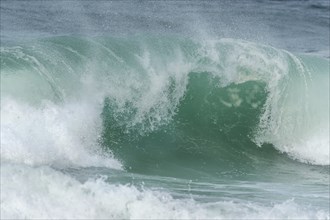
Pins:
x,y
159,124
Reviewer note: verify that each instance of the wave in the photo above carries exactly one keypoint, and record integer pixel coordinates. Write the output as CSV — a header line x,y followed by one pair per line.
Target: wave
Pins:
x,y
179,98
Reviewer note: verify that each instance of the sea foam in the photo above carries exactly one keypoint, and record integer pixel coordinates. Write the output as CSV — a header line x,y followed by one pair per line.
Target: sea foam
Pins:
x,y
46,193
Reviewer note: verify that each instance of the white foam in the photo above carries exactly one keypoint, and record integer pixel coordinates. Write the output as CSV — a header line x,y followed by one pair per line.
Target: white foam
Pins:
x,y
43,193
59,135
313,149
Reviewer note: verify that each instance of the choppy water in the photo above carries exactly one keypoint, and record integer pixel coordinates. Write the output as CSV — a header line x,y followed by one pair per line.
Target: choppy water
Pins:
x,y
165,109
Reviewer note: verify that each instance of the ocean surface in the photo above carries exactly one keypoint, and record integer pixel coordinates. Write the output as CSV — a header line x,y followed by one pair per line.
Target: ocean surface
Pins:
x,y
165,109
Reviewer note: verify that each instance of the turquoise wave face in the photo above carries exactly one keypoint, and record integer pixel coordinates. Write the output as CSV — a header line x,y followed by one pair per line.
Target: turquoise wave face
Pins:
x,y
179,104
211,131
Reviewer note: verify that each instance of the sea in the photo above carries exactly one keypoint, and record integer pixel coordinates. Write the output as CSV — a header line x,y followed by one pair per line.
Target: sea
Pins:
x,y
188,109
